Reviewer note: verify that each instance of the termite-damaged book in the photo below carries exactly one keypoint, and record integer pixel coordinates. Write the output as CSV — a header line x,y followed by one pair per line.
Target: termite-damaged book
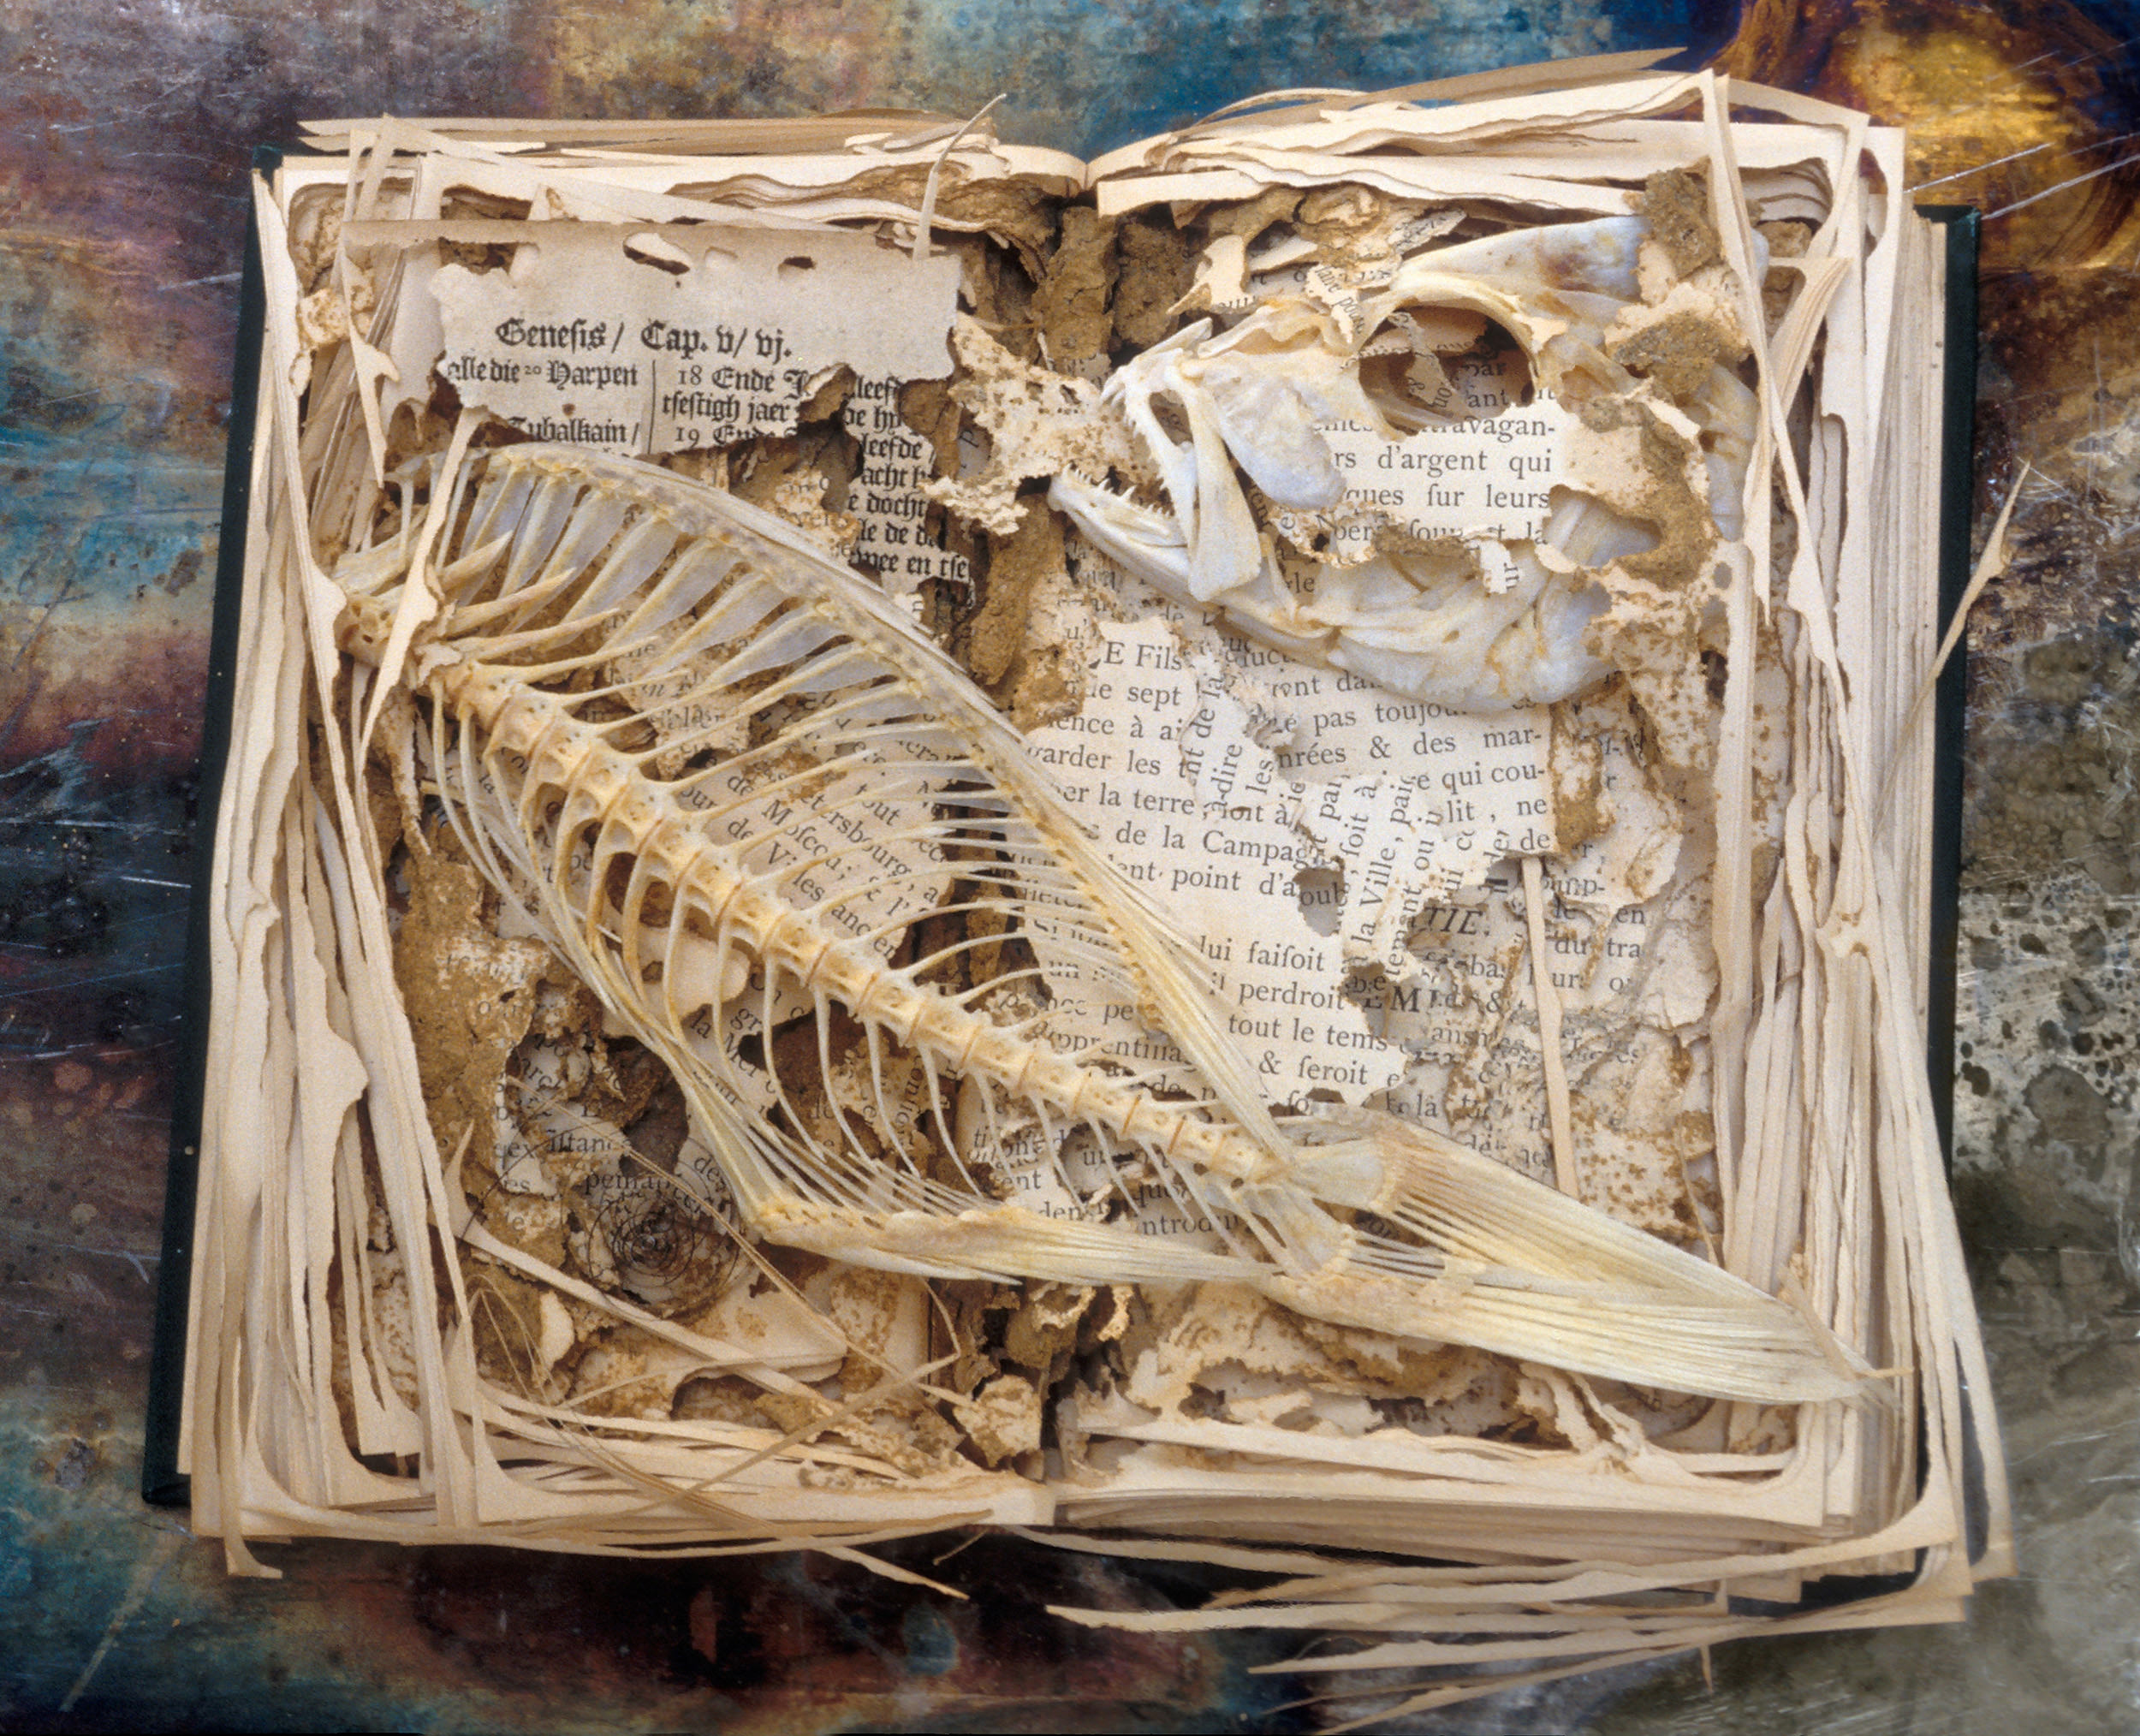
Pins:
x,y
1226,853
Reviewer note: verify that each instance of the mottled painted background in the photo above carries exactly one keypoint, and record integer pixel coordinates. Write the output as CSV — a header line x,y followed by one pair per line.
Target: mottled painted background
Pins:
x,y
124,127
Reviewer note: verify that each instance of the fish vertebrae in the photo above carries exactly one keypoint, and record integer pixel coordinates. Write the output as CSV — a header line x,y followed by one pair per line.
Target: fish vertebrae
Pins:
x,y
629,819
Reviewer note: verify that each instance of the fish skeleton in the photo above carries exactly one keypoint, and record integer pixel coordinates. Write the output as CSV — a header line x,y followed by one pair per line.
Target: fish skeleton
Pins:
x,y
713,769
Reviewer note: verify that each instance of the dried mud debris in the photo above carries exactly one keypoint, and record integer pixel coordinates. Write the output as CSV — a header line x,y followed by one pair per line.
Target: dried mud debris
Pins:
x,y
469,997
1070,305
1154,270
992,640
1677,349
1676,202
564,1145
1012,214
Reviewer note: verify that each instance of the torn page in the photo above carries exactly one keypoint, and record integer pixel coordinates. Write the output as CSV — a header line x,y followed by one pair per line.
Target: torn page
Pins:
x,y
1299,823
686,338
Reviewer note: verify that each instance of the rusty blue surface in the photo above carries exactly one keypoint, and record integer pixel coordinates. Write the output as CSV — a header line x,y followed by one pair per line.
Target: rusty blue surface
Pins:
x,y
124,130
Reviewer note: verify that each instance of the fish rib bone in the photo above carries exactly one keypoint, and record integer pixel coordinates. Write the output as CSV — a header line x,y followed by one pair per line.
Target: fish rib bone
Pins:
x,y
873,992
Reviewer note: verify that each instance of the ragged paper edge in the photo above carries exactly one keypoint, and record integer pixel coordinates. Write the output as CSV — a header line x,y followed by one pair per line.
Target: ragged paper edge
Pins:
x,y
477,1492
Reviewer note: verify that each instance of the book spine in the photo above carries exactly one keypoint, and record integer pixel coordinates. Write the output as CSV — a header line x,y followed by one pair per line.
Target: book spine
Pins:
x,y
162,1481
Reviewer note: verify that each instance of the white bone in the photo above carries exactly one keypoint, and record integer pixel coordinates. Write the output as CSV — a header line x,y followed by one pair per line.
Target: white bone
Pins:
x,y
1508,629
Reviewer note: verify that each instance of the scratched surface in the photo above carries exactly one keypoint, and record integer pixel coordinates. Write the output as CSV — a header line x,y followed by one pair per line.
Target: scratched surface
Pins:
x,y
123,128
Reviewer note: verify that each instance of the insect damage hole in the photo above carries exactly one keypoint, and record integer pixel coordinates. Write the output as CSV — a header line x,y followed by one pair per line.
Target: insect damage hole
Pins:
x,y
1428,366
648,248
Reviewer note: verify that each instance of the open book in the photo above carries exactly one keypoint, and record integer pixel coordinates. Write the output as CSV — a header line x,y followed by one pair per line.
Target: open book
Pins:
x,y
1227,853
